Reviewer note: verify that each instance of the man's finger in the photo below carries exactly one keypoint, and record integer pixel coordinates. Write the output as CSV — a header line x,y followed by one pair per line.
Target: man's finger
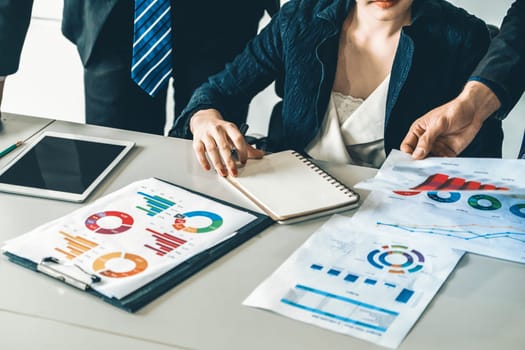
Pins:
x,y
413,138
409,142
427,139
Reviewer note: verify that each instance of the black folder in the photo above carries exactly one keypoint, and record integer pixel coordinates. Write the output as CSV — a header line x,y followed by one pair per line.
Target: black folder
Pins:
x,y
152,290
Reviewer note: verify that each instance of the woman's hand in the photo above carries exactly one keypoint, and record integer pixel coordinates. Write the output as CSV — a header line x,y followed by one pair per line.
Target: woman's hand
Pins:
x,y
217,138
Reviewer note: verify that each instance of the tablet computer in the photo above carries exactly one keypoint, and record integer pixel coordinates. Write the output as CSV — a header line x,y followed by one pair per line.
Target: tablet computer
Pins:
x,y
62,166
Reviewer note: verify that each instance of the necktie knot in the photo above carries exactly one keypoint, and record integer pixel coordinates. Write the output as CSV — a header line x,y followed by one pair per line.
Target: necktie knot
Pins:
x,y
151,64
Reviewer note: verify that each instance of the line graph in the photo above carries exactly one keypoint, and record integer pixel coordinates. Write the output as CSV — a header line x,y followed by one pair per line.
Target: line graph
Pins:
x,y
495,229
465,232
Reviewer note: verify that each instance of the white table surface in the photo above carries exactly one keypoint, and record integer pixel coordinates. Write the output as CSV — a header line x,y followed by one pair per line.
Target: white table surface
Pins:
x,y
480,306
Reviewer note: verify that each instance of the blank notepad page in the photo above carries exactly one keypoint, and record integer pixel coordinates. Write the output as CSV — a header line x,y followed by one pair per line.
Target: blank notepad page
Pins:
x,y
287,185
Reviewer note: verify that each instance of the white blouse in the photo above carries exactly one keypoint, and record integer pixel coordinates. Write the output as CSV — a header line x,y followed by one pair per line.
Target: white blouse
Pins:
x,y
353,129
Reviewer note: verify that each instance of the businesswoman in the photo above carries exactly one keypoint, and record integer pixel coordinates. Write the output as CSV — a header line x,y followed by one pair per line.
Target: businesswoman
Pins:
x,y
355,75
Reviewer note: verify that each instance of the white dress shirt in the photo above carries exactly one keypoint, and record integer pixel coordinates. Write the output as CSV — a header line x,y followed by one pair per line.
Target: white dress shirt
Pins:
x,y
353,129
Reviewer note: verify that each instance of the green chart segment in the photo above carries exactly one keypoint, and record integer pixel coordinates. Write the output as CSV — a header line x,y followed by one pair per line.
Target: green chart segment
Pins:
x,y
484,202
154,204
181,223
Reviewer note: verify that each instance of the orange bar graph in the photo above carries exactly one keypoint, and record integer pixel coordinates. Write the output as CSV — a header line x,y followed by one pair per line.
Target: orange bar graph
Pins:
x,y
76,245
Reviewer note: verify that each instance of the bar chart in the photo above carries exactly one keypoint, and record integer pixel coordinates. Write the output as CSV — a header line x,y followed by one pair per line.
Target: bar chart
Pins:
x,y
76,245
155,204
164,242
354,280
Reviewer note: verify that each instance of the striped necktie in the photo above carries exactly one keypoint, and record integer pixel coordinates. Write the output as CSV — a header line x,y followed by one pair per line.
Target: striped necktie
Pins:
x,y
151,64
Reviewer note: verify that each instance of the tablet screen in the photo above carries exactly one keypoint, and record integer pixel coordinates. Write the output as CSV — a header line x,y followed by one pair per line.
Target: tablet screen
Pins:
x,y
62,164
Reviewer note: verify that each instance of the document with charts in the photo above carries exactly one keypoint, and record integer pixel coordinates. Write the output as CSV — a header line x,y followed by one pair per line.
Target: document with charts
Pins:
x,y
401,173
134,235
491,224
357,282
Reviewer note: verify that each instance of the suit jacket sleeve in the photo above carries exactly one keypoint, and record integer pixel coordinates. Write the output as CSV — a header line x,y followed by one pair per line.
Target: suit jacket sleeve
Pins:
x,y
15,16
503,67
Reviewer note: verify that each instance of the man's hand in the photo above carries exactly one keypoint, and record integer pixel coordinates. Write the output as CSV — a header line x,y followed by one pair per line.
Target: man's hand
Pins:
x,y
447,130
217,138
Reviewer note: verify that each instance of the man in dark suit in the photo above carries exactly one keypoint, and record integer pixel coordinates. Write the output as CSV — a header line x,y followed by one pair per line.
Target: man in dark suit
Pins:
x,y
206,34
493,90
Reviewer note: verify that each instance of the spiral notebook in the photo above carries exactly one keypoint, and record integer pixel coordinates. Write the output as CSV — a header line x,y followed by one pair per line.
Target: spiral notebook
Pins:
x,y
288,187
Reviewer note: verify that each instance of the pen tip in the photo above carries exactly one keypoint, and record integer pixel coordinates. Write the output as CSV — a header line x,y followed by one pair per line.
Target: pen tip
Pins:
x,y
19,143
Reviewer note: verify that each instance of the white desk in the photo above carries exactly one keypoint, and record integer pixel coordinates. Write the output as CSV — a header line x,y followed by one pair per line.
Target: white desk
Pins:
x,y
481,305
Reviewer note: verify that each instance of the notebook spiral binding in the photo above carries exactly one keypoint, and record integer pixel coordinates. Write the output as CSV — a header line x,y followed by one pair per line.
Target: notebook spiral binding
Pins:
x,y
332,180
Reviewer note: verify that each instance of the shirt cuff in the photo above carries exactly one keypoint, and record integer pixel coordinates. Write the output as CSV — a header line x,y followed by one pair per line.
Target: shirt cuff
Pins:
x,y
500,93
